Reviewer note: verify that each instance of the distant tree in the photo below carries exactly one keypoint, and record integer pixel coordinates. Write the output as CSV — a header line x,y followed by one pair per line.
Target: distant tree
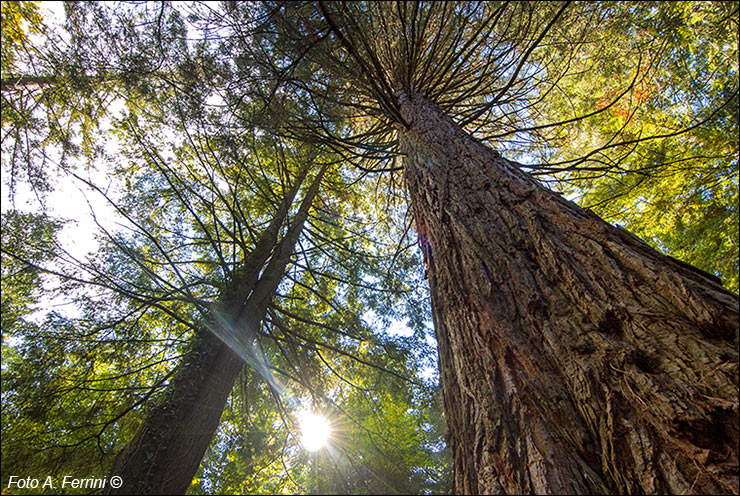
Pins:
x,y
213,217
155,328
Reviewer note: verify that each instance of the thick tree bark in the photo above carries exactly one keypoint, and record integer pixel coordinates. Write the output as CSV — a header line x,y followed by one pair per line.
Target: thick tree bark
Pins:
x,y
172,440
573,357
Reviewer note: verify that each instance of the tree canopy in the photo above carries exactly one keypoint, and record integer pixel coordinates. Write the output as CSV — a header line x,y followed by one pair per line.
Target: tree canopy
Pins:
x,y
237,148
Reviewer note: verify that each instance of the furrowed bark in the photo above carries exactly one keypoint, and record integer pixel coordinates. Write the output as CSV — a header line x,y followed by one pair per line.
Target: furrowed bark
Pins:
x,y
171,442
573,357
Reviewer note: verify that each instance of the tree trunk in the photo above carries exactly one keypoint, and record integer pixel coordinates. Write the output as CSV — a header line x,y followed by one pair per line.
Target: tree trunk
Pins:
x,y
171,442
573,357
168,448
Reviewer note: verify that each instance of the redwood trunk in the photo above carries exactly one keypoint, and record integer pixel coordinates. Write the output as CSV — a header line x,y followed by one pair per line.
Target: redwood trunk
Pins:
x,y
573,357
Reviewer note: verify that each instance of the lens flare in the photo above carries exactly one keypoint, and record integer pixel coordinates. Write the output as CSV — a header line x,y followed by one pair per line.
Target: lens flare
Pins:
x,y
315,430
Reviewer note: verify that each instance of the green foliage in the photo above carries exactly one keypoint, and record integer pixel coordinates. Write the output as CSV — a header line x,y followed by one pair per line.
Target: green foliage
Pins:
x,y
73,388
679,192
60,88
203,143
18,21
66,389
28,240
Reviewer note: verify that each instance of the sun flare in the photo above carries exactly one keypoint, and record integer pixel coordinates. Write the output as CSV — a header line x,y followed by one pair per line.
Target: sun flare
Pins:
x,y
315,430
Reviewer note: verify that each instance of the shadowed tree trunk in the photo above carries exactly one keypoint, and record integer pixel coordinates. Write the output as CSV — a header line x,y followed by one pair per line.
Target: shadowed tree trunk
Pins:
x,y
573,357
171,442
169,446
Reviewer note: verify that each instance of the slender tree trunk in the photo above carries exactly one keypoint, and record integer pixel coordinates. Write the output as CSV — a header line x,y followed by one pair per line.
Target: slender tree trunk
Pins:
x,y
171,442
573,357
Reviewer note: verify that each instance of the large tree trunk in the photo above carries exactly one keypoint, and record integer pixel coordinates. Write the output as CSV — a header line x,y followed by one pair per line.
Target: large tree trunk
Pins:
x,y
172,440
573,357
